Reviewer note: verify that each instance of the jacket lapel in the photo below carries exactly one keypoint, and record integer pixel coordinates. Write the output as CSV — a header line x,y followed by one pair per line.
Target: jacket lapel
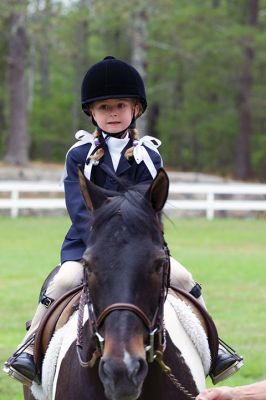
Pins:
x,y
107,160
123,164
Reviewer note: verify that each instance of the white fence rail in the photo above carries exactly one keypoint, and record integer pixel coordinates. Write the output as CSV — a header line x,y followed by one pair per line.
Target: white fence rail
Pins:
x,y
217,197
15,196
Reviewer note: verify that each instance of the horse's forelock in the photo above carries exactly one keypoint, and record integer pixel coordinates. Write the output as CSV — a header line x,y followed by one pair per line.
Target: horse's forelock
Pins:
x,y
137,214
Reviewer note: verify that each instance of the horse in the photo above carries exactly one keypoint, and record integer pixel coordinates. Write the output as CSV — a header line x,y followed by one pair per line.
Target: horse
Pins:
x,y
126,341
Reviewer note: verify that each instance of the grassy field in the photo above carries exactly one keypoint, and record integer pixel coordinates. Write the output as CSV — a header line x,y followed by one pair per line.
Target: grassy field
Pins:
x,y
228,257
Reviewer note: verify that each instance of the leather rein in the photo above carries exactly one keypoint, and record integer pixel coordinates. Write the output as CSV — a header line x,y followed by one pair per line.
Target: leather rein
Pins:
x,y
156,331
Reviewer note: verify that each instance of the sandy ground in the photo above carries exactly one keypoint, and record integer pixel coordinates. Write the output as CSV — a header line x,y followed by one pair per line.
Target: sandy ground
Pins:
x,y
36,171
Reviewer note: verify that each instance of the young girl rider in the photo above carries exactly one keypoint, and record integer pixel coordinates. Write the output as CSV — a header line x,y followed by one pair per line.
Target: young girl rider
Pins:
x,y
113,96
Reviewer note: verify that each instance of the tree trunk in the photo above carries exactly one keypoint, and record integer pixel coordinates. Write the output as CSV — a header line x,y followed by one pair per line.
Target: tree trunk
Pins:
x,y
243,166
45,16
18,140
154,113
139,52
80,58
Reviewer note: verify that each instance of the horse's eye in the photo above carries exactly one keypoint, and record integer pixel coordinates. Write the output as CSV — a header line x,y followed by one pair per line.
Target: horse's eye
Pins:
x,y
86,264
158,265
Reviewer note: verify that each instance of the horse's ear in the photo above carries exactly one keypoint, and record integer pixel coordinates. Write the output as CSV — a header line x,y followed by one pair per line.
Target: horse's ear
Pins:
x,y
93,195
158,191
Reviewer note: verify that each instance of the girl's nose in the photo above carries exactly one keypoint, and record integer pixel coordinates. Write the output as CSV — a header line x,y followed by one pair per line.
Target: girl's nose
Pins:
x,y
113,110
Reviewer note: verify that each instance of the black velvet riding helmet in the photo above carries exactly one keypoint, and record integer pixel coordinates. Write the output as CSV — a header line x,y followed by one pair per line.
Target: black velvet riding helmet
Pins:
x,y
112,78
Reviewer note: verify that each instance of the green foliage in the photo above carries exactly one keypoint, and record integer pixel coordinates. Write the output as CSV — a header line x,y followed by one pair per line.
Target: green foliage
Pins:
x,y
3,85
51,122
195,56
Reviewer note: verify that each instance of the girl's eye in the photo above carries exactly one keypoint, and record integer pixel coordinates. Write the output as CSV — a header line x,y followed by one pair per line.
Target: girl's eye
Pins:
x,y
121,106
103,107
86,264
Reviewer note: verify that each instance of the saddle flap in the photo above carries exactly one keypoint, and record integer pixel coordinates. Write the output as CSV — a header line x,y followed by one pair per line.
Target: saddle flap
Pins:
x,y
56,316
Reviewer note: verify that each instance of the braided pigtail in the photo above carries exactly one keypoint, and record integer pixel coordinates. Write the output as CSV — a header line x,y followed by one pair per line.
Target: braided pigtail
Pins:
x,y
99,141
134,136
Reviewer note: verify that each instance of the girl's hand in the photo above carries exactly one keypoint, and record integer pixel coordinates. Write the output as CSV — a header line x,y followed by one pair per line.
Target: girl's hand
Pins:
x,y
222,393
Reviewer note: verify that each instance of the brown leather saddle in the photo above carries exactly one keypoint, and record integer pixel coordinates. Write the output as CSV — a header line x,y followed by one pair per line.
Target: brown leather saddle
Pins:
x,y
61,310
57,315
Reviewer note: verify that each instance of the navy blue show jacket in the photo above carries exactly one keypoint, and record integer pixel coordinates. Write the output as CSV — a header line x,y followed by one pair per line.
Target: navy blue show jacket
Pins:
x,y
77,236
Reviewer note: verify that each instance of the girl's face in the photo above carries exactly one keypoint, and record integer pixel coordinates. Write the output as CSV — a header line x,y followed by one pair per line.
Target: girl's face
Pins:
x,y
114,115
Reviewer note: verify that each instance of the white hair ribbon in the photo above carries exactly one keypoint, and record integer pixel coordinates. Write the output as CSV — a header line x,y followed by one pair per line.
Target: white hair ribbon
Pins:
x,y
141,154
83,137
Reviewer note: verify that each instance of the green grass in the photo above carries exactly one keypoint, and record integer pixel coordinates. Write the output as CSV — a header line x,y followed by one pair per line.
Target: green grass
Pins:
x,y
29,249
228,257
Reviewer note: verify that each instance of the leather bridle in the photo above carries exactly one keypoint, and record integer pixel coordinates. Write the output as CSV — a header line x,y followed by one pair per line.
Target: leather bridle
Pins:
x,y
156,332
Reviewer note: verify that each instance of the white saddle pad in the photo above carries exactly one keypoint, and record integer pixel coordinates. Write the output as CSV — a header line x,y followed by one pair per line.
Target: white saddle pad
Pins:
x,y
177,314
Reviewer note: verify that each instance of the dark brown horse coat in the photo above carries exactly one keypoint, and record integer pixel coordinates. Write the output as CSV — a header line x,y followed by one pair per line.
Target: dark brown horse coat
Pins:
x,y
126,262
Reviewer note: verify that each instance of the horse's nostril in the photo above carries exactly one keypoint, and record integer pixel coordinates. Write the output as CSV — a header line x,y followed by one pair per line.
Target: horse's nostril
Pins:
x,y
133,370
107,374
106,369
137,371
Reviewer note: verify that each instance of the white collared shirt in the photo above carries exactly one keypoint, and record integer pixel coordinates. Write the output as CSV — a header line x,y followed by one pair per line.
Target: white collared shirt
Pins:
x,y
115,147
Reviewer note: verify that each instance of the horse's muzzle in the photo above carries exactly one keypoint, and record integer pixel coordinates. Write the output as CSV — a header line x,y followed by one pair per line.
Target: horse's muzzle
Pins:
x,y
123,379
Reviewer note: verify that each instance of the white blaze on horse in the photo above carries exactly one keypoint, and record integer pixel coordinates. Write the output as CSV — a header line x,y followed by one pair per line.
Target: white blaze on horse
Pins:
x,y
131,338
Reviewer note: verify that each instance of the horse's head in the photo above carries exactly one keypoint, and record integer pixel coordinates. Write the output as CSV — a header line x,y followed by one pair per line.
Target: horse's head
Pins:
x,y
127,268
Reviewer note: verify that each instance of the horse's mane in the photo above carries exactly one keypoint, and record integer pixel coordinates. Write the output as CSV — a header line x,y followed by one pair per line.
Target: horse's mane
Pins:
x,y
131,204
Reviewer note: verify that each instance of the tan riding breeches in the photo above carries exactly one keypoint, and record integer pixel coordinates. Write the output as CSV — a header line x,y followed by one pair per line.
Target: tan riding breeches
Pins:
x,y
70,275
181,278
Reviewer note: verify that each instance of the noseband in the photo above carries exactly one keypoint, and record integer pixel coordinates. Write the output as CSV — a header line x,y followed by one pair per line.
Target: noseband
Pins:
x,y
154,326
